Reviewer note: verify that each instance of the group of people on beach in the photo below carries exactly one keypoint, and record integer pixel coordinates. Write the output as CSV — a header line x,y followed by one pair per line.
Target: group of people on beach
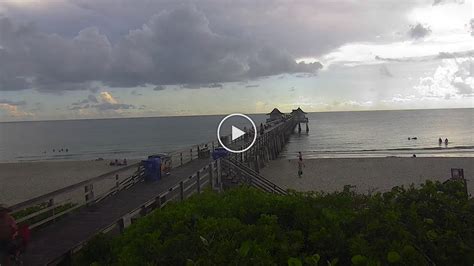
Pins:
x,y
59,150
440,141
118,163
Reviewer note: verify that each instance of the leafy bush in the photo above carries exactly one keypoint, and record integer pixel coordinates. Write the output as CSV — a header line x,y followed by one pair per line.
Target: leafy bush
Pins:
x,y
243,226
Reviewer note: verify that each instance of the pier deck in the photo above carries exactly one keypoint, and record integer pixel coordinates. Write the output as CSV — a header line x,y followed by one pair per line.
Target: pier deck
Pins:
x,y
57,239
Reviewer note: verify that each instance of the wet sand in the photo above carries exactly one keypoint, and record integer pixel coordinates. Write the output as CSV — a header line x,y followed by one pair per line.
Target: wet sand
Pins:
x,y
367,174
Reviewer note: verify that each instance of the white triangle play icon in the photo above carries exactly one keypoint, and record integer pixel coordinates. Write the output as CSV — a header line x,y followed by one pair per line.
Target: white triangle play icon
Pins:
x,y
236,133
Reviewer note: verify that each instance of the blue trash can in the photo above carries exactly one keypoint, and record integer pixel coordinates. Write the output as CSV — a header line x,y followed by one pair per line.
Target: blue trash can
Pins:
x,y
219,153
164,163
152,169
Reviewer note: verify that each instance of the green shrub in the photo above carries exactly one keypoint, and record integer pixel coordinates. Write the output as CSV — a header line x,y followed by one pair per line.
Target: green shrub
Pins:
x,y
243,226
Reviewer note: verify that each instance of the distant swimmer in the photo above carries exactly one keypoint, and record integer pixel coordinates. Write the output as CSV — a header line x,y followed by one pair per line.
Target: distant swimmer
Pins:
x,y
415,138
446,142
440,141
54,150
409,138
67,150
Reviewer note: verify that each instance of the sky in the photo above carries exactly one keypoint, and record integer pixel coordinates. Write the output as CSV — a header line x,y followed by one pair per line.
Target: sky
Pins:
x,y
80,59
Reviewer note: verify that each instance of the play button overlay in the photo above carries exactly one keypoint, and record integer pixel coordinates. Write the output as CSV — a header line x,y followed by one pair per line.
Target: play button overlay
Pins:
x,y
237,133
240,130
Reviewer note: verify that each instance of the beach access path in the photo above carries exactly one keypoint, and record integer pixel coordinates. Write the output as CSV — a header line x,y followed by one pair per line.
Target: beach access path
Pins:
x,y
56,239
366,174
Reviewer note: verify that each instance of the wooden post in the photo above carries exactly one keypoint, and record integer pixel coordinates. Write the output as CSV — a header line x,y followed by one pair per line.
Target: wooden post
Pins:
x,y
89,192
191,153
256,164
181,190
121,225
211,174
198,182
158,202
117,183
219,175
143,210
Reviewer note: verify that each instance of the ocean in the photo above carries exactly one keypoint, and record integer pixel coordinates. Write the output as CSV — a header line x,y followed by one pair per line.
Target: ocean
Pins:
x,y
331,134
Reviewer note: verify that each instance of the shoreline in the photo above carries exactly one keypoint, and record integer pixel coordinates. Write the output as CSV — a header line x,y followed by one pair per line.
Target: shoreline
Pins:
x,y
366,174
24,180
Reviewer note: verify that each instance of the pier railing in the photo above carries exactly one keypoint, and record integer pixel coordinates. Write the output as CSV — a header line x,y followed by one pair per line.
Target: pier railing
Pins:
x,y
49,207
240,173
206,177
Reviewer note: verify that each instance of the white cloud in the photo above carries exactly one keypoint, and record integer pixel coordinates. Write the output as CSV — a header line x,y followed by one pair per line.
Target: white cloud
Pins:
x,y
452,79
14,111
106,97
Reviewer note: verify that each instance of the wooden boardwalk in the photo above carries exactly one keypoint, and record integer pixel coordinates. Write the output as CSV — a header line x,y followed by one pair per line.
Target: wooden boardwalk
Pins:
x,y
55,242
59,238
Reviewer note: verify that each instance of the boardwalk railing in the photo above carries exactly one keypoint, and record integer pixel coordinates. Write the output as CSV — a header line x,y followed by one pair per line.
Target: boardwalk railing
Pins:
x,y
47,208
208,176
242,174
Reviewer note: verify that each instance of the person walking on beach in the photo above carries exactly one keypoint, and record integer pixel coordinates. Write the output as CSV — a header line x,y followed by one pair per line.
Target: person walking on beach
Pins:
x,y
300,167
446,142
440,141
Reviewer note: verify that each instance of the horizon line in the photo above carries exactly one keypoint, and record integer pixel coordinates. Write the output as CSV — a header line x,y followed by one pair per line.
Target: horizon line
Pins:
x,y
193,115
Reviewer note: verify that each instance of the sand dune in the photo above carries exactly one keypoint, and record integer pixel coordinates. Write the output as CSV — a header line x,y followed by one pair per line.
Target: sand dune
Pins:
x,y
366,174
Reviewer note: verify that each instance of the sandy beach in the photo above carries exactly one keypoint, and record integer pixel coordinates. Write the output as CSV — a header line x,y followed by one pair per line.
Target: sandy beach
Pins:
x,y
367,174
25,180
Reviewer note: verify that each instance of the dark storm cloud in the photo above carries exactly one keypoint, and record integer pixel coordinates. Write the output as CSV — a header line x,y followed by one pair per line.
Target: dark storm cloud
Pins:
x,y
198,86
159,88
15,103
92,99
102,106
113,106
419,31
252,86
131,43
176,46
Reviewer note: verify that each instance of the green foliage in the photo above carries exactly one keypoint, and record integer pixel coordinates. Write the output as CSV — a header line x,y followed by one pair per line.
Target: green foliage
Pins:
x,y
406,226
